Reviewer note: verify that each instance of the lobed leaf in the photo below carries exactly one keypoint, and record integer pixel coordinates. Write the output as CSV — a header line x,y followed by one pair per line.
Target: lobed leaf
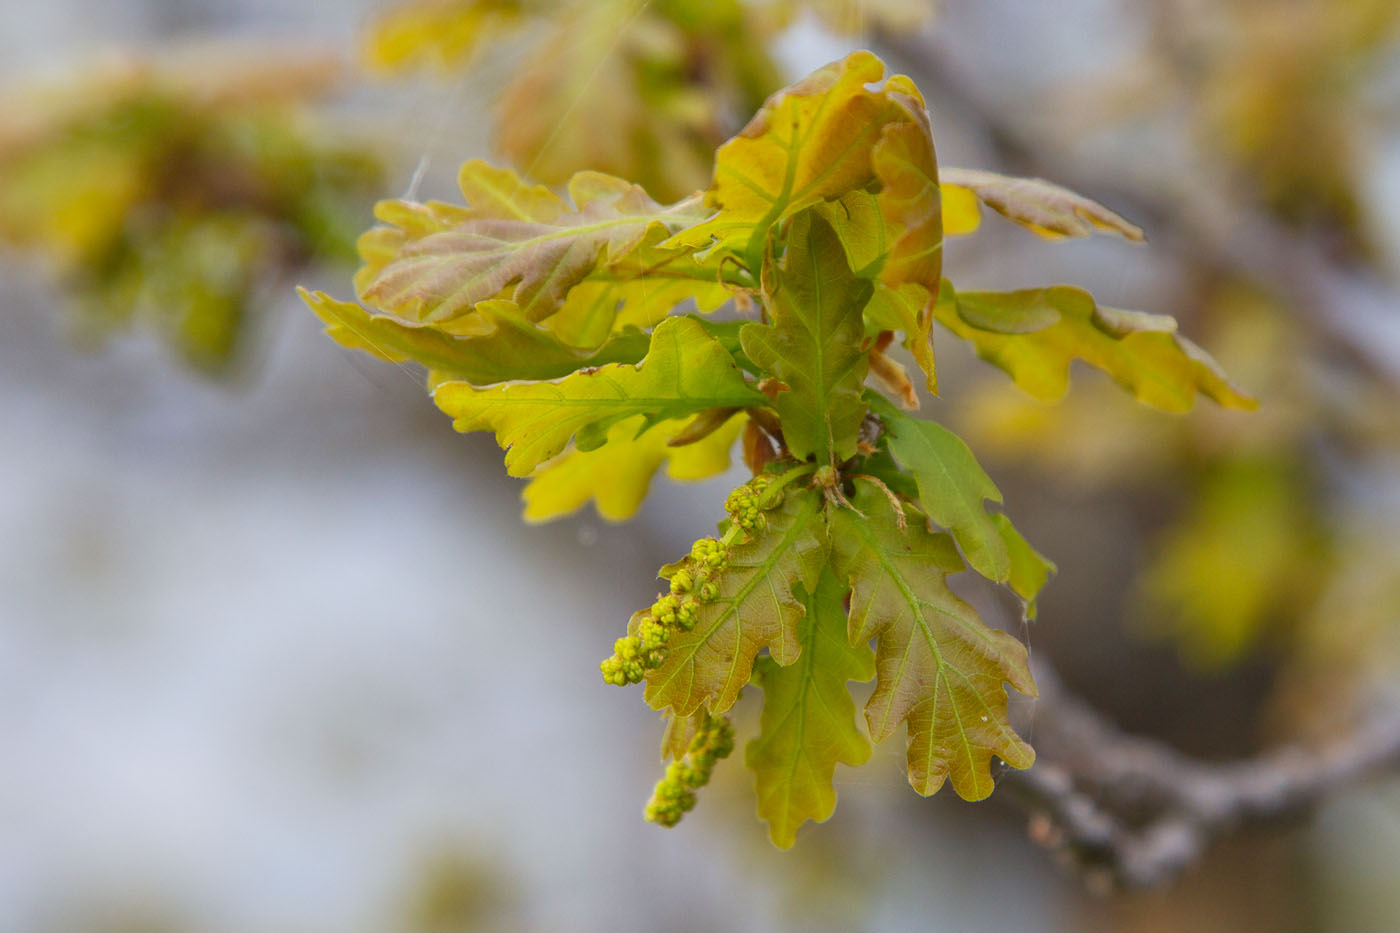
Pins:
x,y
435,262
1038,205
1034,335
815,344
953,487
810,142
939,668
808,724
638,290
616,476
506,347
1030,569
902,297
756,609
909,200
685,371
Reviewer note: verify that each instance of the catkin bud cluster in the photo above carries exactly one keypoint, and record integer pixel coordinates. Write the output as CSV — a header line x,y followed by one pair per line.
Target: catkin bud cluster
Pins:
x,y
746,504
694,584
674,795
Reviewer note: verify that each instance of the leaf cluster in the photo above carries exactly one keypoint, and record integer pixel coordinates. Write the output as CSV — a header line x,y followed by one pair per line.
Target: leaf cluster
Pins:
x,y
579,331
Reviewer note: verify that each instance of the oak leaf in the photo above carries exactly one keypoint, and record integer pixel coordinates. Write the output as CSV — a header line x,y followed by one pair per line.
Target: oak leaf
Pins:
x,y
616,476
939,668
815,343
953,487
813,141
684,372
1035,334
503,347
522,242
808,724
756,608
1048,209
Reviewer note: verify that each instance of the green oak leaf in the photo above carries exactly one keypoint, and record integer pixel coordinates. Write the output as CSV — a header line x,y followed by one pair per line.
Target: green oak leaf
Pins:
x,y
1035,334
815,344
808,724
509,347
685,371
898,304
1030,570
953,487
756,609
939,668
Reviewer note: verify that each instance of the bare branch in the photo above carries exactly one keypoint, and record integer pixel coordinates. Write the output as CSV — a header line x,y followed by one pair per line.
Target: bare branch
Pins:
x,y
1134,812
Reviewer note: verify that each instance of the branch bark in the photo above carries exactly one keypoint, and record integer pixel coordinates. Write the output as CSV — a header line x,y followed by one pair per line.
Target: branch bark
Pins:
x,y
1132,812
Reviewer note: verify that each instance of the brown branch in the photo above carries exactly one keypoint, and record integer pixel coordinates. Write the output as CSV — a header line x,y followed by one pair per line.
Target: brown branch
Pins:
x,y
1133,812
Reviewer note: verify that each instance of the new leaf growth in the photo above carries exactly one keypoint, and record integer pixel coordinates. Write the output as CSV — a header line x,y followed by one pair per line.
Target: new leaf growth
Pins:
x,y
580,333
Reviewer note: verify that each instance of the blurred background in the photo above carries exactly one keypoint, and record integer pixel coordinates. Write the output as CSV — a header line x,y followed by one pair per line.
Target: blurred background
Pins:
x,y
277,652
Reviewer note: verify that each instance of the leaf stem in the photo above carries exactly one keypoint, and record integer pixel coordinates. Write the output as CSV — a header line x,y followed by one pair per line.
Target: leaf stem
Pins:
x,y
785,479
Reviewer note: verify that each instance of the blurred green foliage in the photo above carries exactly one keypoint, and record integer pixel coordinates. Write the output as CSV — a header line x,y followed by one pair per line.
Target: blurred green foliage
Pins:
x,y
167,193
642,90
